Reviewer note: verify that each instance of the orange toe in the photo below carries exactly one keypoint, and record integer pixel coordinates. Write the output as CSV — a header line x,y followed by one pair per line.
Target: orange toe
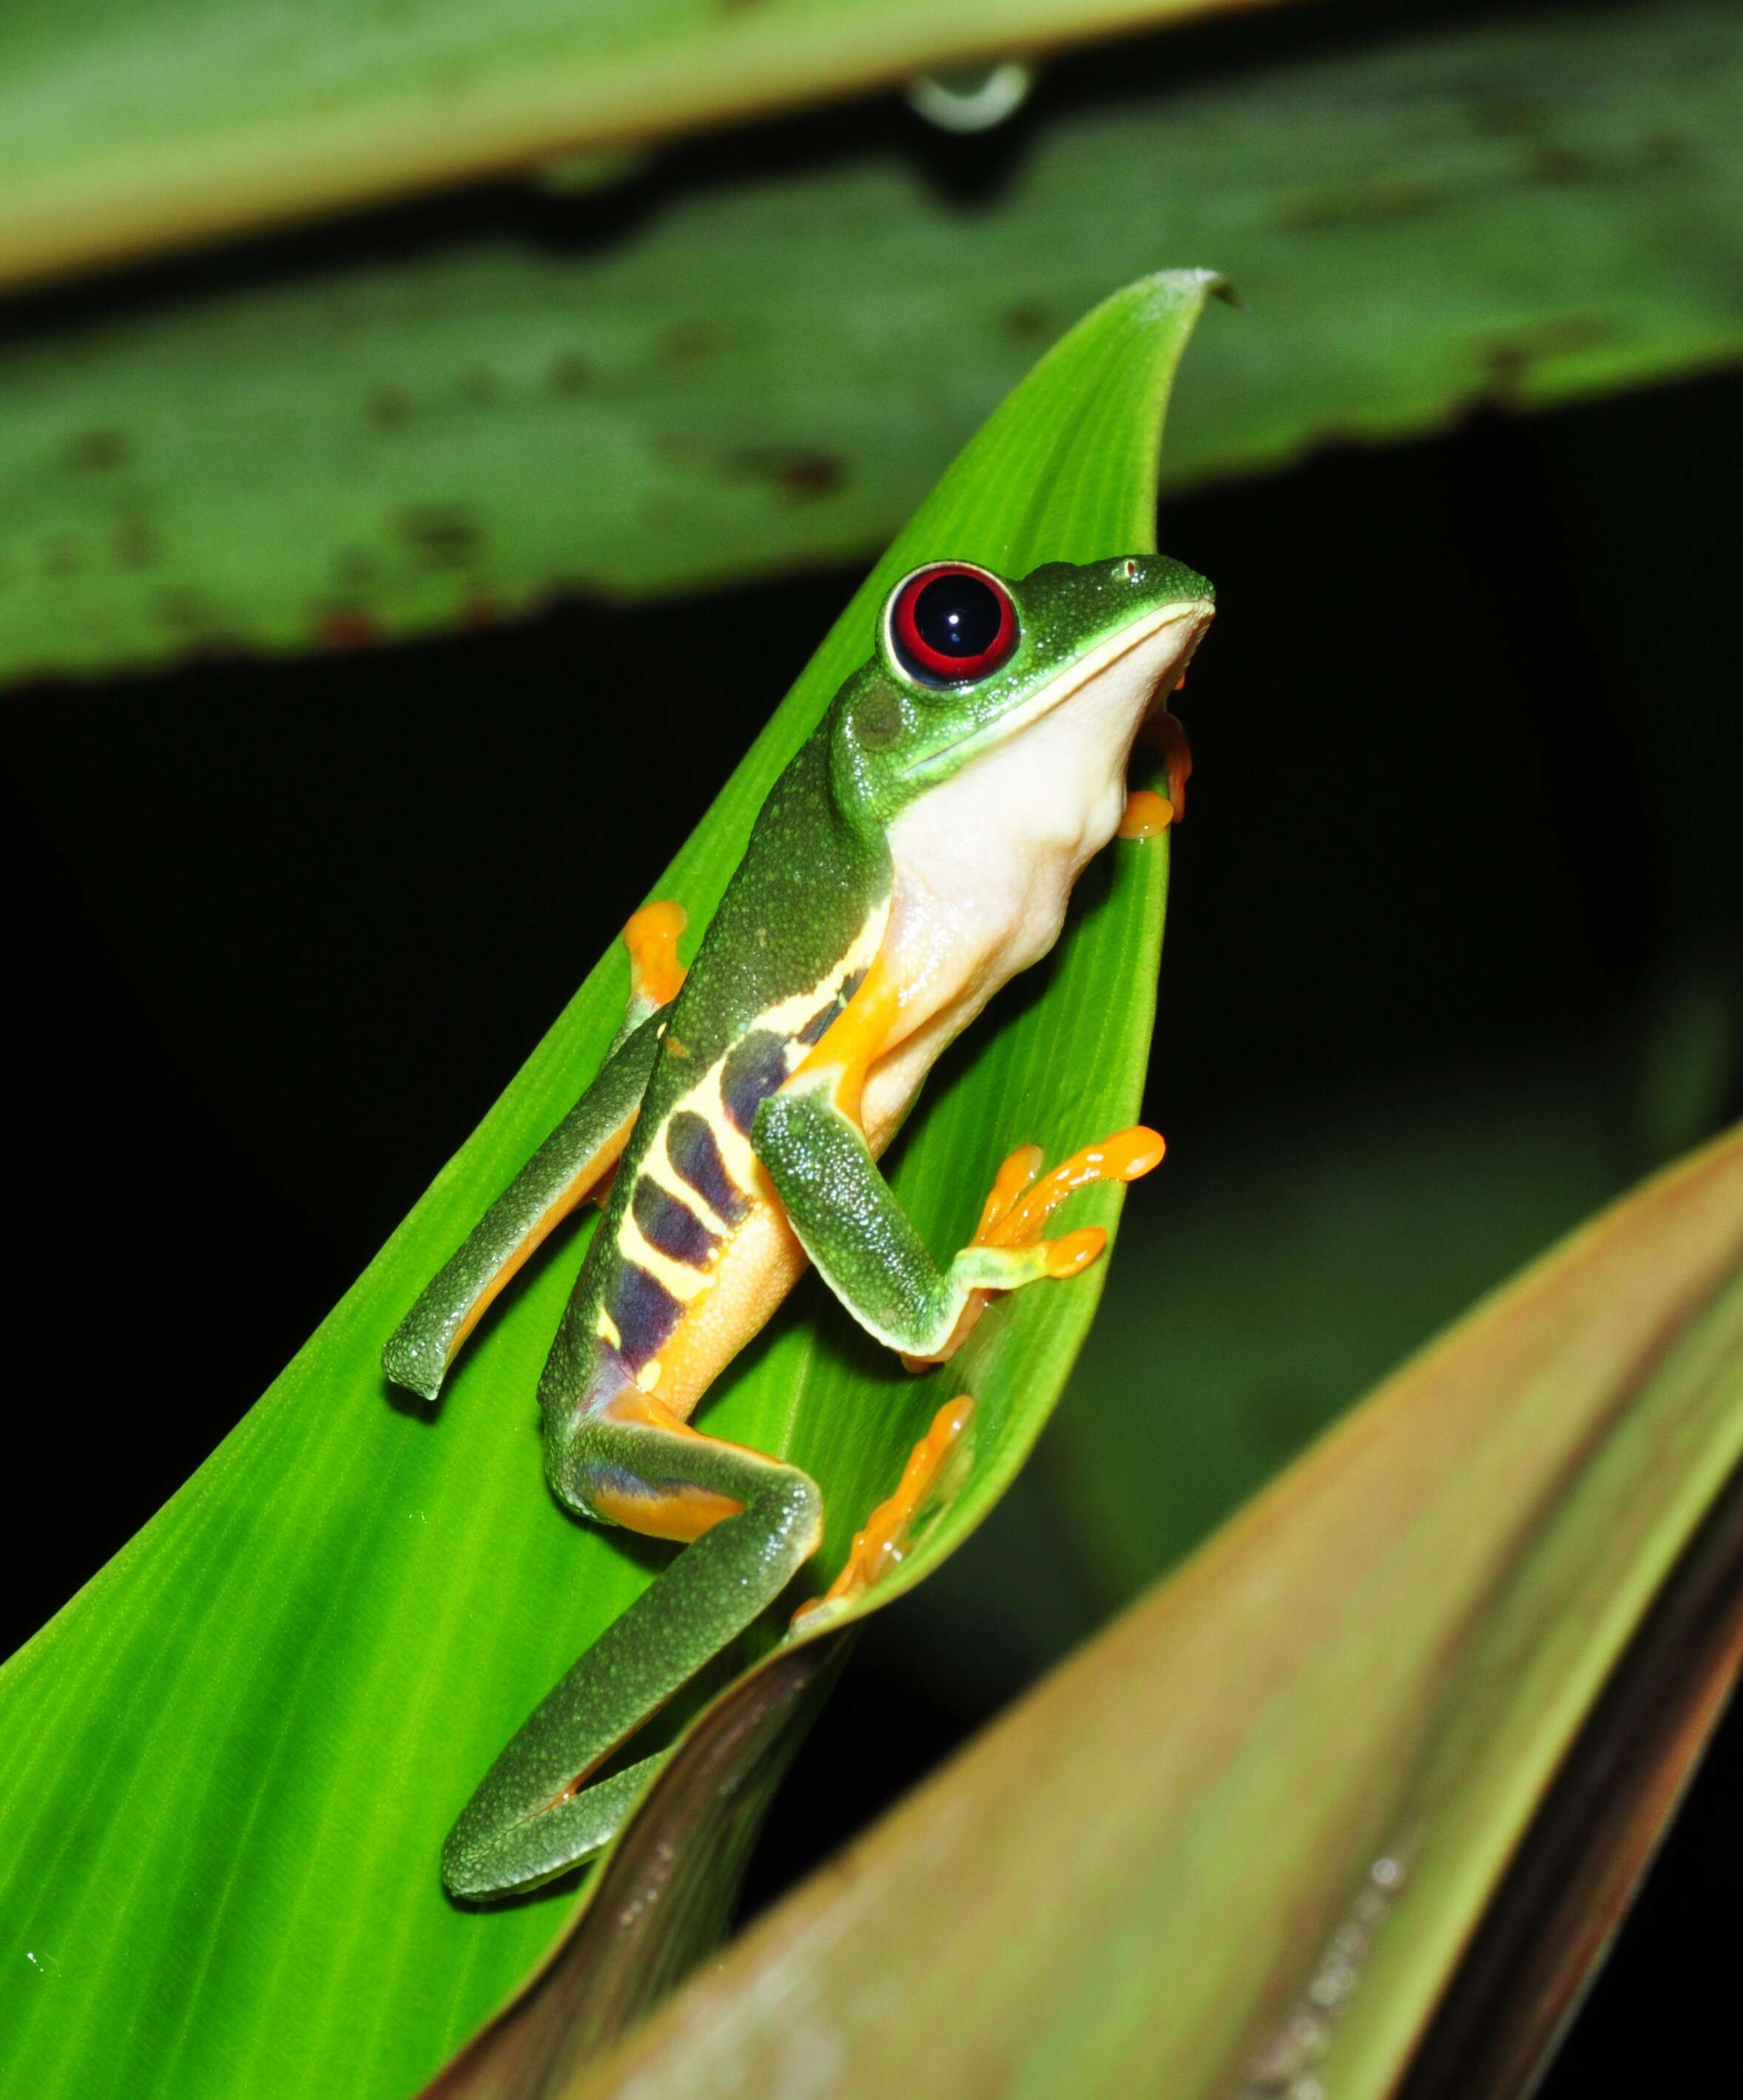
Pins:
x,y
883,1542
655,973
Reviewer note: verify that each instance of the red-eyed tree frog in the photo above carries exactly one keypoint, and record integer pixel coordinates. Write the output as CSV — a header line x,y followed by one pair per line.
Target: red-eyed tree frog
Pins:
x,y
915,854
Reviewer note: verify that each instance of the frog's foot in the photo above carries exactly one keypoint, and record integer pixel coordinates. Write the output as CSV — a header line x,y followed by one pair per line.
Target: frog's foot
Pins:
x,y
1021,1200
1147,813
656,974
656,977
883,1542
1020,1203
752,1522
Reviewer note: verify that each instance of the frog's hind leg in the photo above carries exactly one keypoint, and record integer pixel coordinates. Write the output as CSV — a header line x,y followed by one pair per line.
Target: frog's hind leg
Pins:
x,y
883,1542
567,1167
751,1523
576,1161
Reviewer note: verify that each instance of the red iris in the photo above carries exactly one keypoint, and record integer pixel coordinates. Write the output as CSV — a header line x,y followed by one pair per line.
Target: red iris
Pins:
x,y
950,623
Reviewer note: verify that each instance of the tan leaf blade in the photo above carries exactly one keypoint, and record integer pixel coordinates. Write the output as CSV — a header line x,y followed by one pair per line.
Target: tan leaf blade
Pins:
x,y
1565,1894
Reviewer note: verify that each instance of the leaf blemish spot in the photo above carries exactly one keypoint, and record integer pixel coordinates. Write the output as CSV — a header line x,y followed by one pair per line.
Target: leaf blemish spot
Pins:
x,y
445,534
389,408
135,543
97,452
1026,322
798,472
348,628
184,609
1282,2064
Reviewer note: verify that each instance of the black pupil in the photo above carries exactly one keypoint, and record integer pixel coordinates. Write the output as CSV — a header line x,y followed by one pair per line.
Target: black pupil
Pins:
x,y
958,615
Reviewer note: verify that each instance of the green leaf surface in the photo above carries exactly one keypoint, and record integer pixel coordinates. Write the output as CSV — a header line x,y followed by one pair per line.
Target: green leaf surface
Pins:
x,y
131,126
1261,1815
228,1764
722,375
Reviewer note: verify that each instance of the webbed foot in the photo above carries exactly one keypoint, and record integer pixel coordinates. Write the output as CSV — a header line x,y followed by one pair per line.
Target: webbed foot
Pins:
x,y
1021,1200
883,1542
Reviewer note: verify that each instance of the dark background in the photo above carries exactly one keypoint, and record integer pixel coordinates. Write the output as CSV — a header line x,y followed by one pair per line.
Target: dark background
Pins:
x,y
1465,824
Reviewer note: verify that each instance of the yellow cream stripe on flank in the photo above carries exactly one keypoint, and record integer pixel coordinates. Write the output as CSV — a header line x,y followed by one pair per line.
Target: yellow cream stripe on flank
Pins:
x,y
679,1277
657,1168
735,1153
787,1017
682,1279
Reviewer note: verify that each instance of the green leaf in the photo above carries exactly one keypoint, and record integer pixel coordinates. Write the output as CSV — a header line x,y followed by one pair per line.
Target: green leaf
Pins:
x,y
131,125
1259,1818
228,1764
713,382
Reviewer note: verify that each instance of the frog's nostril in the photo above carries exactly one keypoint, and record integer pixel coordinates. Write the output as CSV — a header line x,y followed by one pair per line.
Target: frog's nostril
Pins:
x,y
1131,568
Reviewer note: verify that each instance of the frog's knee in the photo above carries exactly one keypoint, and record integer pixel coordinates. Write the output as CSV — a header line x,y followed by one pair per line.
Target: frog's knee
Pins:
x,y
796,1510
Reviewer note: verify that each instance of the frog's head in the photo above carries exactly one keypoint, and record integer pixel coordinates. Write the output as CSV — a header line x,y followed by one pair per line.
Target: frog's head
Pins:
x,y
967,662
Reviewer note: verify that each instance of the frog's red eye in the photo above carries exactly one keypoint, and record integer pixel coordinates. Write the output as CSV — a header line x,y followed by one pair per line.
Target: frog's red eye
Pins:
x,y
949,623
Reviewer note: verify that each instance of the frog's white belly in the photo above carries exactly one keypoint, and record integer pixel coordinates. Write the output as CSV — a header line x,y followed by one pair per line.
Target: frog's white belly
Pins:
x,y
984,864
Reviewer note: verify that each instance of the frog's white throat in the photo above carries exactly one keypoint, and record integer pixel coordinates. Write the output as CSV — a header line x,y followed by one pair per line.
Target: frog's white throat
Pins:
x,y
985,862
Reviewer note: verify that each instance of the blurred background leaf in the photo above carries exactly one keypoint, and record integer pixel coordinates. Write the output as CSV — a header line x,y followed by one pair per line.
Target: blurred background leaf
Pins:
x,y
753,358
125,129
1459,942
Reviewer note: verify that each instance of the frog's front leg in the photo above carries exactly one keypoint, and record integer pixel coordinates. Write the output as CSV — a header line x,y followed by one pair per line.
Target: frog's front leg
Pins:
x,y
750,1522
867,1249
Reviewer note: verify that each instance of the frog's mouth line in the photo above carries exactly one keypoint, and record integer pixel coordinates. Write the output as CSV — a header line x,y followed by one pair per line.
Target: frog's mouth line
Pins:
x,y
1199,611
